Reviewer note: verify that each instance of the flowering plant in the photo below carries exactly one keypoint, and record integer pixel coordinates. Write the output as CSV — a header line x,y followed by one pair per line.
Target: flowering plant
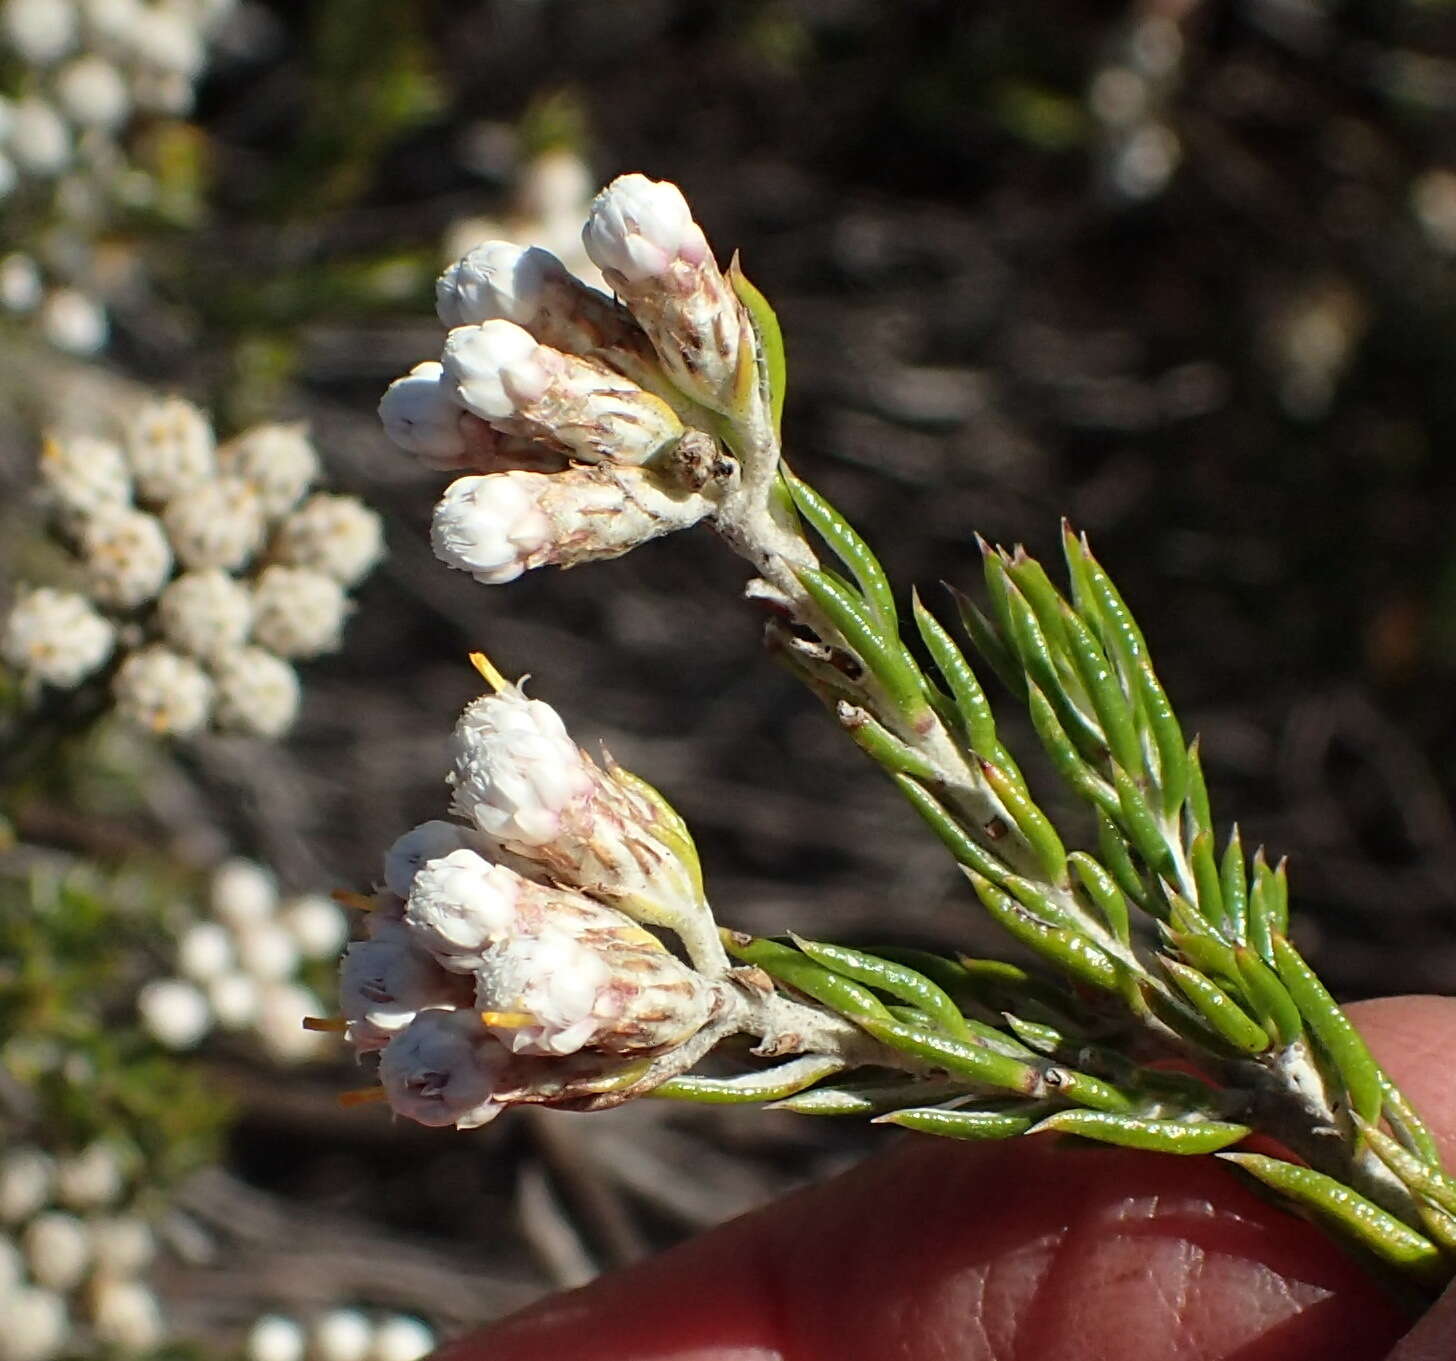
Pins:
x,y
507,960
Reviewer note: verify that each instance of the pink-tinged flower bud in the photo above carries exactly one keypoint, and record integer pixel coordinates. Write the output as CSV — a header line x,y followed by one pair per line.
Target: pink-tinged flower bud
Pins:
x,y
497,526
385,981
421,414
460,905
638,227
642,236
444,1069
541,800
578,406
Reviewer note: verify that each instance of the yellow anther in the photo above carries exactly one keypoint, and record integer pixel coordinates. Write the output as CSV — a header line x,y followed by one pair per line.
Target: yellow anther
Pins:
x,y
327,1023
493,678
363,1096
508,1020
346,897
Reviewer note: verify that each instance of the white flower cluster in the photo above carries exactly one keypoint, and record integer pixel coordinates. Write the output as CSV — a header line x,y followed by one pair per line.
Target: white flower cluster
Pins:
x,y
585,425
239,967
73,1256
503,958
79,71
1130,98
211,566
339,1335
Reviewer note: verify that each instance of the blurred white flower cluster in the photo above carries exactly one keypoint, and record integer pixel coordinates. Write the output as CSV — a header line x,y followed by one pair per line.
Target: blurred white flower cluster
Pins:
x,y
73,1256
240,966
504,959
79,75
1131,99
339,1335
207,570
585,424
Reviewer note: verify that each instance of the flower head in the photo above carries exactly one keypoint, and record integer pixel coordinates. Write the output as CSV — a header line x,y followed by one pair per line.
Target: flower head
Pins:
x,y
429,841
162,691
278,462
170,446
385,981
55,637
336,535
127,556
638,227
460,905
421,413
205,613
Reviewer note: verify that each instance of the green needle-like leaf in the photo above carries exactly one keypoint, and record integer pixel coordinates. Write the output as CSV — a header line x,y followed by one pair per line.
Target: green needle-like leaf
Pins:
x,y
1087,1090
1267,997
1141,825
1114,713
1205,878
896,979
848,547
1065,758
957,840
1233,879
970,698
867,1098
1203,945
1414,1171
880,744
1156,1136
789,966
976,1063
1263,922
1200,816
1113,852
1034,825
1337,1036
1167,739
1409,1128
1218,1009
883,656
959,1124
1065,948
770,1085
1104,893
1377,1230
987,641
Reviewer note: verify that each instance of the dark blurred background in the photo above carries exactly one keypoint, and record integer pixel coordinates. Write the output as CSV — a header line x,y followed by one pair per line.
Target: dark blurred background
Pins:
x,y
1184,273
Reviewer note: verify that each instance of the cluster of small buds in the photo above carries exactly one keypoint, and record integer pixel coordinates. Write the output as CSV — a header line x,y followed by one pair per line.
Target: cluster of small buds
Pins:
x,y
339,1335
79,72
1130,99
211,568
241,964
504,958
73,1256
586,426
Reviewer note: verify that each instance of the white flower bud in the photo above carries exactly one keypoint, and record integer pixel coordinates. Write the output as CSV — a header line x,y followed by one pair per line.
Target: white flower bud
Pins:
x,y
204,952
36,1325
491,526
234,999
385,982
56,637
174,1013
421,414
443,1069
318,926
74,321
336,535
122,1245
281,1011
57,1250
517,773
215,524
460,905
93,92
126,555
255,692
26,1178
90,1179
267,952
21,286
429,841
341,1335
642,236
279,462
163,692
638,227
126,1315
40,31
577,405
242,893
498,280
170,444
274,1338
502,524
298,612
401,1339
205,613
40,141
81,473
